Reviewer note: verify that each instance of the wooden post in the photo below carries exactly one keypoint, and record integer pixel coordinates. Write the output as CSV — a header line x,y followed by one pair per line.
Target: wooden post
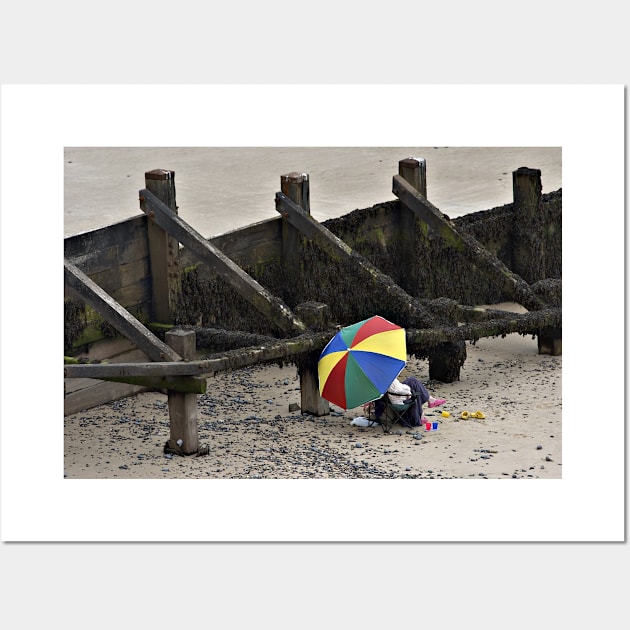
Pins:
x,y
315,316
296,187
182,408
163,250
444,364
550,341
528,250
414,171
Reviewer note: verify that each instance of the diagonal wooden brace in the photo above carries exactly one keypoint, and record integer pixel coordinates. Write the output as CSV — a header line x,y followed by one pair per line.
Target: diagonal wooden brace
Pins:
x,y
508,281
269,305
124,322
339,250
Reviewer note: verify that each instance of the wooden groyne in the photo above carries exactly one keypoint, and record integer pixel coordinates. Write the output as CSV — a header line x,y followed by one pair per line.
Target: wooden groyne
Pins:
x,y
152,304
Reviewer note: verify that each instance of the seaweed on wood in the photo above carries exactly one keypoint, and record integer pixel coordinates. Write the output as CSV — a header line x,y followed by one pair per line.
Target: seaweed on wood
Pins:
x,y
75,322
373,233
210,301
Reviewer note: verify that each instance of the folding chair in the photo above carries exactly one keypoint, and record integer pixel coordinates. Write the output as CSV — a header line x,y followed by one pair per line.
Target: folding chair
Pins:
x,y
392,413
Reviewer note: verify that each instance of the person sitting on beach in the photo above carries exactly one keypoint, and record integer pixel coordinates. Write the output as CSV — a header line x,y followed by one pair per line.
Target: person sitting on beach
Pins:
x,y
400,393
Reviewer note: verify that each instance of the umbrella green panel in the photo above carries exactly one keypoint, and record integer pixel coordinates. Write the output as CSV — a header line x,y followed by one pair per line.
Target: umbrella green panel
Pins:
x,y
368,377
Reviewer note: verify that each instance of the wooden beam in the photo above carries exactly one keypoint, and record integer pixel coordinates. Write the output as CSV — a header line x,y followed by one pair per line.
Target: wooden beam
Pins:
x,y
508,281
180,384
125,323
145,369
231,360
270,306
339,250
526,323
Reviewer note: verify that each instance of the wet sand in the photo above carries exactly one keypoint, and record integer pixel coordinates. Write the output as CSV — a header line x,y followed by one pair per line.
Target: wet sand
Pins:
x,y
224,188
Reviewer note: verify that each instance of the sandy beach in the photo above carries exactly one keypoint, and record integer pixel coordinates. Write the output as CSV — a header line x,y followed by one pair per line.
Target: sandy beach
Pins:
x,y
245,422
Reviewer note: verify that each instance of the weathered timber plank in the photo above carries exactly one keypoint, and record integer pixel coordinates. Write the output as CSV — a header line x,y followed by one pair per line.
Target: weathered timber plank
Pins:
x,y
72,385
510,282
252,245
232,359
117,350
338,249
99,394
134,295
263,235
122,275
102,259
133,229
180,384
270,306
116,315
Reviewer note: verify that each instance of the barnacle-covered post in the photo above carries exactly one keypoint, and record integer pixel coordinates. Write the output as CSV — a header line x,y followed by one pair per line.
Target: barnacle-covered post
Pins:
x,y
163,250
446,359
414,171
529,245
527,234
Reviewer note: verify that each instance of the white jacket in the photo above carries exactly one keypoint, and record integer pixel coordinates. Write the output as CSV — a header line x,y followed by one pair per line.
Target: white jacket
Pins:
x,y
398,392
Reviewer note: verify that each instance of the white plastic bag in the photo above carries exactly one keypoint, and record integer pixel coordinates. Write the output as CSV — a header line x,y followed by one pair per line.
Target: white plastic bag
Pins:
x,y
362,421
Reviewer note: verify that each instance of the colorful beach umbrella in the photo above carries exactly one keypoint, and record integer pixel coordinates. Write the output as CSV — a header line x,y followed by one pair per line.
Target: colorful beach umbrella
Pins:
x,y
360,362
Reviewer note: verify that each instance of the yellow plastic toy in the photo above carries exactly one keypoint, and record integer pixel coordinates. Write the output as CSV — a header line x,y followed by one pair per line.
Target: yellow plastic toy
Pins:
x,y
475,414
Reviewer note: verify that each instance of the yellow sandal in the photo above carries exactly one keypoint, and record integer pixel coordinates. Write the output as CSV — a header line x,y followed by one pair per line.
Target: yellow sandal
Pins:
x,y
475,414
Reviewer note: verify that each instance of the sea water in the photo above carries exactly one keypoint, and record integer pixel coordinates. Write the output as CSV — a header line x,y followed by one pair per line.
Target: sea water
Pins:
x,y
219,189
